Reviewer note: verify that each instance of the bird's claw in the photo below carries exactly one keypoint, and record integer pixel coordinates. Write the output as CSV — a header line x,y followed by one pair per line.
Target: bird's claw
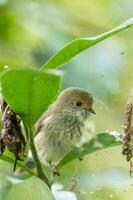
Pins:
x,y
54,171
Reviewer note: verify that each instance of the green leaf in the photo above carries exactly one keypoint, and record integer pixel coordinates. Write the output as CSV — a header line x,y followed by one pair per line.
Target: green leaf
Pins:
x,y
30,189
76,46
11,161
29,92
100,142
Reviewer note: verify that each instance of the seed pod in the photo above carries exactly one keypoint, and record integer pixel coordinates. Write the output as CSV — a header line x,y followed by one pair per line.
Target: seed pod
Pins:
x,y
127,148
11,135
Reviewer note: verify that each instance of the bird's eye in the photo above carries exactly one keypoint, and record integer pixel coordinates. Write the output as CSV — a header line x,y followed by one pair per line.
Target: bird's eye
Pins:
x,y
78,103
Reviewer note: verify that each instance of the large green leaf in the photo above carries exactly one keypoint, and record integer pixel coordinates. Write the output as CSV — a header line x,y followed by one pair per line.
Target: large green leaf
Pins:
x,y
100,142
29,92
76,46
30,189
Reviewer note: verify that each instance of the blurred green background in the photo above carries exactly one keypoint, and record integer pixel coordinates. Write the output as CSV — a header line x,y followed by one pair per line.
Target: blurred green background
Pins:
x,y
31,31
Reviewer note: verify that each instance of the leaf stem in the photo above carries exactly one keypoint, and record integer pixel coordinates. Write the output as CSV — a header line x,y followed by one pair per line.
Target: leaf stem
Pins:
x,y
40,172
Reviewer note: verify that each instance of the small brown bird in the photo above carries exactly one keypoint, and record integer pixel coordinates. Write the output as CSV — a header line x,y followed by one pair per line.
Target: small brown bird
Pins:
x,y
62,125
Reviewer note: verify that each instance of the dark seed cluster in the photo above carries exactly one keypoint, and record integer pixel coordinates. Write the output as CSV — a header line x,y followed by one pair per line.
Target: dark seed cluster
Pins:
x,y
11,134
128,139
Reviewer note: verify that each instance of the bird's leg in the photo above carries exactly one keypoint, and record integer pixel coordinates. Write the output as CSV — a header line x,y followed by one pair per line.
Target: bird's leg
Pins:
x,y
54,170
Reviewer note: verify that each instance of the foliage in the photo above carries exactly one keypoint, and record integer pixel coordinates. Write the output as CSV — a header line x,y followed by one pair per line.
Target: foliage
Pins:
x,y
101,141
25,190
77,46
30,92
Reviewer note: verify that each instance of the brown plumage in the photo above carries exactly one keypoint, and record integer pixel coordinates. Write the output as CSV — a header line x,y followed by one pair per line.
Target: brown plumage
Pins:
x,y
62,126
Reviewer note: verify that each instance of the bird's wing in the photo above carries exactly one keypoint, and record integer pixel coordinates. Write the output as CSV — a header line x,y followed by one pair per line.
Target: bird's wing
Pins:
x,y
44,117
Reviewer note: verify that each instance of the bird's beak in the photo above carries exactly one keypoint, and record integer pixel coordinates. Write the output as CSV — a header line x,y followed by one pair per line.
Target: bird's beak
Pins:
x,y
92,111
